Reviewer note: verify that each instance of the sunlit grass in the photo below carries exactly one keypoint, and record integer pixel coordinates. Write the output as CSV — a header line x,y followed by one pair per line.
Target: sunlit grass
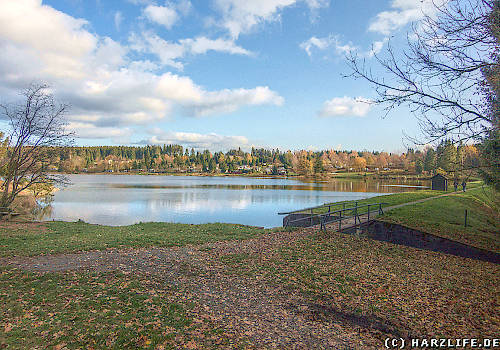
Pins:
x,y
64,237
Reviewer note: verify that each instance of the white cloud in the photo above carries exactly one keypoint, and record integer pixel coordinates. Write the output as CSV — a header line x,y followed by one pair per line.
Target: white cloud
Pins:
x,y
118,20
345,106
339,48
377,46
89,131
96,76
334,42
169,53
405,11
201,45
241,16
184,7
162,15
227,101
327,42
197,141
45,41
317,4
167,15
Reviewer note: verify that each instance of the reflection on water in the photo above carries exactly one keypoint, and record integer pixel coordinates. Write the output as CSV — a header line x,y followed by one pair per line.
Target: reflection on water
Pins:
x,y
127,199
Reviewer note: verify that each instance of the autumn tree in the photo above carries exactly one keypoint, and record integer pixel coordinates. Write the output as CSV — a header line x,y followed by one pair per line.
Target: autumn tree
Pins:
x,y
359,163
36,125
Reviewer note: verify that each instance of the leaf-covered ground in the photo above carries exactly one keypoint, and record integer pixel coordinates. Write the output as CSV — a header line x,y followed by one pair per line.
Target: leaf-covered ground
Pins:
x,y
298,289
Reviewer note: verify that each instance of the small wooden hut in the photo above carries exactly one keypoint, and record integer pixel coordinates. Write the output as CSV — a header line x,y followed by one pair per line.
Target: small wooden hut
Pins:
x,y
439,182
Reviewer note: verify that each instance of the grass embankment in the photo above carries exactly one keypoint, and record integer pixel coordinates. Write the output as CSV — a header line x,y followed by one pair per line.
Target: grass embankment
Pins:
x,y
65,237
388,200
445,217
391,199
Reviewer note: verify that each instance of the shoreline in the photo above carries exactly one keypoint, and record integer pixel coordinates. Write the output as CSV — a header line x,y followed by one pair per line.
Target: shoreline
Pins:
x,y
321,177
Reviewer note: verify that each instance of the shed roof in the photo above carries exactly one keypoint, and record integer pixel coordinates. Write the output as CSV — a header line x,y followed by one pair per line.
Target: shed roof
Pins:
x,y
439,175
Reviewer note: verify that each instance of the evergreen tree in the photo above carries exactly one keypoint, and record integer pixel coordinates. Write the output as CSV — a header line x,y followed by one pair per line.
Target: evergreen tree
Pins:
x,y
447,156
430,163
419,166
318,165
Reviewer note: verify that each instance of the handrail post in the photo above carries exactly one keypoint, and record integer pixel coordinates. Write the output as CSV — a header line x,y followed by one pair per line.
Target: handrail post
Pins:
x,y
355,213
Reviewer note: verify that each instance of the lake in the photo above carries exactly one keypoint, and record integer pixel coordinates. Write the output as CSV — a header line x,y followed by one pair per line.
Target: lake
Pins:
x,y
128,199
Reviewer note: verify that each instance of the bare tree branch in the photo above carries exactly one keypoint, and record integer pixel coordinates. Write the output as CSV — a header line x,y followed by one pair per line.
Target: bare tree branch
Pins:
x,y
36,125
441,74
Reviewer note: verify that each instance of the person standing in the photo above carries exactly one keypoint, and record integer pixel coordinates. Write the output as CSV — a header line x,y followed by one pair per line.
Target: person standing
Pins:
x,y
463,185
455,184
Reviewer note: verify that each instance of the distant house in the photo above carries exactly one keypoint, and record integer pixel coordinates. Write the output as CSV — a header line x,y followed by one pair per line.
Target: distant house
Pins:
x,y
281,171
439,182
268,170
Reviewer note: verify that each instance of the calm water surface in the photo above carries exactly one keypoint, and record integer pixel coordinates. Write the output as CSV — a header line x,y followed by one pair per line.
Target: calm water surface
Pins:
x,y
128,199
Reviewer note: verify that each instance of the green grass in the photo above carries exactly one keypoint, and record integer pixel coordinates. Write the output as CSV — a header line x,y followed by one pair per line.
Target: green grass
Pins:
x,y
64,237
446,217
99,311
388,200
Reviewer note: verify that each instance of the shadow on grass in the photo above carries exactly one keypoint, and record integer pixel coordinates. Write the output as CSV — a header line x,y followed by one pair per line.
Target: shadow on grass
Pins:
x,y
379,327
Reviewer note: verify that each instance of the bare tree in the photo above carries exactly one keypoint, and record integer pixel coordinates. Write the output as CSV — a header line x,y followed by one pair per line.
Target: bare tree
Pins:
x,y
36,126
441,75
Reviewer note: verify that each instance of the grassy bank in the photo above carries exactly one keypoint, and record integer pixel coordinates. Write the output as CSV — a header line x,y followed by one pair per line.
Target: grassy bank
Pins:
x,y
387,200
27,239
445,217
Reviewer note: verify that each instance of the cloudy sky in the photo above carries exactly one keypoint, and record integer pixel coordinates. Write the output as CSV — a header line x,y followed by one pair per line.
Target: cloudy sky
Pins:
x,y
210,74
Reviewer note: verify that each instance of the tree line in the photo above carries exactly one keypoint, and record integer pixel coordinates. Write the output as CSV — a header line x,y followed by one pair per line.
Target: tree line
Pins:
x,y
446,157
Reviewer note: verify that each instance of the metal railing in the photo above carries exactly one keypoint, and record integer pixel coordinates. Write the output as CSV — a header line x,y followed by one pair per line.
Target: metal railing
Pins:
x,y
338,215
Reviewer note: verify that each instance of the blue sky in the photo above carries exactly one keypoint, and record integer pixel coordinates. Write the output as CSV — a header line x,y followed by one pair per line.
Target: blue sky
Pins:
x,y
214,74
